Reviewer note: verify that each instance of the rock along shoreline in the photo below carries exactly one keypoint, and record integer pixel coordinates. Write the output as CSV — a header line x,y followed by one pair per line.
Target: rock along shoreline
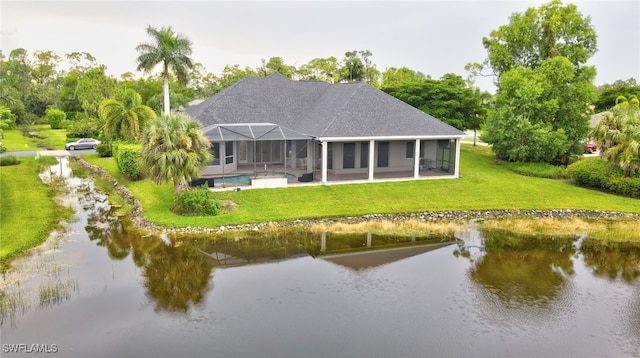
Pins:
x,y
141,222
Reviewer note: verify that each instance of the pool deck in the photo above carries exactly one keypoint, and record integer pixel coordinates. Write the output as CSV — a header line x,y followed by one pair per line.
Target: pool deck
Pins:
x,y
332,179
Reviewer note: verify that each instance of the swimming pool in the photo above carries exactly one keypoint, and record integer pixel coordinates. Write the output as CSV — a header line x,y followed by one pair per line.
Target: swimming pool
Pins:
x,y
246,179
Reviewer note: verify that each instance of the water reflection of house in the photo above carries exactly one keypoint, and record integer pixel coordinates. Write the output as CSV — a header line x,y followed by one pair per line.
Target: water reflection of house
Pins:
x,y
355,251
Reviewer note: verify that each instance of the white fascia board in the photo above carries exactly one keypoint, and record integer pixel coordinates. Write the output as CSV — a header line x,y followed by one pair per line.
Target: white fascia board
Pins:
x,y
385,138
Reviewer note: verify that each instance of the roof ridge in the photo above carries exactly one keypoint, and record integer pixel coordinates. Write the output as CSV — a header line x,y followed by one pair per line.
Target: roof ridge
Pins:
x,y
358,86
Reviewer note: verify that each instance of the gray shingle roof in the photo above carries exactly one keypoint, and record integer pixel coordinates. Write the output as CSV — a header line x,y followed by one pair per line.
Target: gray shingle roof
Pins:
x,y
318,109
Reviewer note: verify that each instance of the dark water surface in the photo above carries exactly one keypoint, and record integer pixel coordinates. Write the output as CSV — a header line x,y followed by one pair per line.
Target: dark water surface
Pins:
x,y
303,295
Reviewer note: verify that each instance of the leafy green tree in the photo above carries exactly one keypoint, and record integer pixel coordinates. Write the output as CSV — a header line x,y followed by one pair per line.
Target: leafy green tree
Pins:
x,y
47,76
126,119
276,64
358,67
539,59
18,71
320,69
233,74
516,138
617,135
85,86
174,149
551,30
93,89
171,50
395,77
608,93
448,99
353,68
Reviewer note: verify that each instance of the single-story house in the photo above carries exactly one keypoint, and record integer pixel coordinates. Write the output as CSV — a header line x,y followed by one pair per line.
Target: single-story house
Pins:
x,y
322,132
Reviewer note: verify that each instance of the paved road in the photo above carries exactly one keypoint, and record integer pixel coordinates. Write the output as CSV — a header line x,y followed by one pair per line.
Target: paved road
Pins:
x,y
57,153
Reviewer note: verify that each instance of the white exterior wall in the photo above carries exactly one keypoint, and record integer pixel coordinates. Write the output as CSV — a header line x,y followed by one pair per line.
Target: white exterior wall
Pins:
x,y
397,157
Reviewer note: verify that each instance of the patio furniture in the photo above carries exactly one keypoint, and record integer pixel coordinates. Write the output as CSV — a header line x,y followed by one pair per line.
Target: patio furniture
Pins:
x,y
197,182
427,164
306,177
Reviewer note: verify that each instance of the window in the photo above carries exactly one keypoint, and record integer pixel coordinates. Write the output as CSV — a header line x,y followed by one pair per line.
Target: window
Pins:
x,y
410,149
228,152
348,155
383,154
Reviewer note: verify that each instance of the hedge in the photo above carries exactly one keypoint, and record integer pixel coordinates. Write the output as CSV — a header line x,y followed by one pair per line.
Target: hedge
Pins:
x,y
126,156
598,174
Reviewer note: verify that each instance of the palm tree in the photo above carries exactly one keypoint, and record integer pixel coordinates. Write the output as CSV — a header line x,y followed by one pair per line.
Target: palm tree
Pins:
x,y
170,49
617,135
173,149
127,119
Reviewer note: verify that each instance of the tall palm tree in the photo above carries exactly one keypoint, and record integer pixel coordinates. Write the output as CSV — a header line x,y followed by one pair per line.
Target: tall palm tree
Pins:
x,y
170,49
126,119
173,149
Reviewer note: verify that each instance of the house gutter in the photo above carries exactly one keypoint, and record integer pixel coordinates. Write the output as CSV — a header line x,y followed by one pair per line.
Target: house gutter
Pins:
x,y
383,138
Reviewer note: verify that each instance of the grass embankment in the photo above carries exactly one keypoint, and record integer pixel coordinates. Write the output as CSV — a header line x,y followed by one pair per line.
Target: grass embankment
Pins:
x,y
486,185
46,138
604,230
27,209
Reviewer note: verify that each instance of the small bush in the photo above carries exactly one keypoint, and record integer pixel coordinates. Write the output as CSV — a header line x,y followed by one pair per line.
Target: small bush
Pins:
x,y
196,202
56,118
2,148
9,160
103,150
599,174
126,156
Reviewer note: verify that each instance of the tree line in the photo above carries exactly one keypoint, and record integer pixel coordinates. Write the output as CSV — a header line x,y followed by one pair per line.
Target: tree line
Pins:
x,y
540,112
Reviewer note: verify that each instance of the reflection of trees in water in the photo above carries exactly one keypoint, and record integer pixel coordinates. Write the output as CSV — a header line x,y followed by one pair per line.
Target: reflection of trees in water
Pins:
x,y
107,230
519,270
177,276
613,259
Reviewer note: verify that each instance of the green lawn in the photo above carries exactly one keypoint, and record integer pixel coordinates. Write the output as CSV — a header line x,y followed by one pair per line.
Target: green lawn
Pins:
x,y
47,139
27,209
484,185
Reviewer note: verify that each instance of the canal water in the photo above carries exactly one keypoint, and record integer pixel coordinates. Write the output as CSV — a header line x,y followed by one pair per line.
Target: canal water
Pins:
x,y
100,290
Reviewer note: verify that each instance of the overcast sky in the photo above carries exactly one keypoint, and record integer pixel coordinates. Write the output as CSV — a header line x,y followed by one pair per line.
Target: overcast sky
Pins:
x,y
433,37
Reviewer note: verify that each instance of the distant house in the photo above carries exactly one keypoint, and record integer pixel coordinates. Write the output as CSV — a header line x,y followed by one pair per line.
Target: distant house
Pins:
x,y
323,132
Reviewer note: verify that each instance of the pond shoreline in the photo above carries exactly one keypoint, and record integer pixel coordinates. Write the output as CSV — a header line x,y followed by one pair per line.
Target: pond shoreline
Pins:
x,y
141,222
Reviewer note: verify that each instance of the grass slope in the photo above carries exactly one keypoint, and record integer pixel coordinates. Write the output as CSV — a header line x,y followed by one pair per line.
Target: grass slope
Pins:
x,y
48,138
27,210
485,185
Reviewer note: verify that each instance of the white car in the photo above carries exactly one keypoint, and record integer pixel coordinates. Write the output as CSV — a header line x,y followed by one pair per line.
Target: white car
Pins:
x,y
84,143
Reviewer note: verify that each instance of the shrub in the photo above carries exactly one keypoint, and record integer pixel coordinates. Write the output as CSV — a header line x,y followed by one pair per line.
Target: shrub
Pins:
x,y
196,202
2,148
126,156
103,150
56,118
84,128
598,174
538,170
592,172
9,160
